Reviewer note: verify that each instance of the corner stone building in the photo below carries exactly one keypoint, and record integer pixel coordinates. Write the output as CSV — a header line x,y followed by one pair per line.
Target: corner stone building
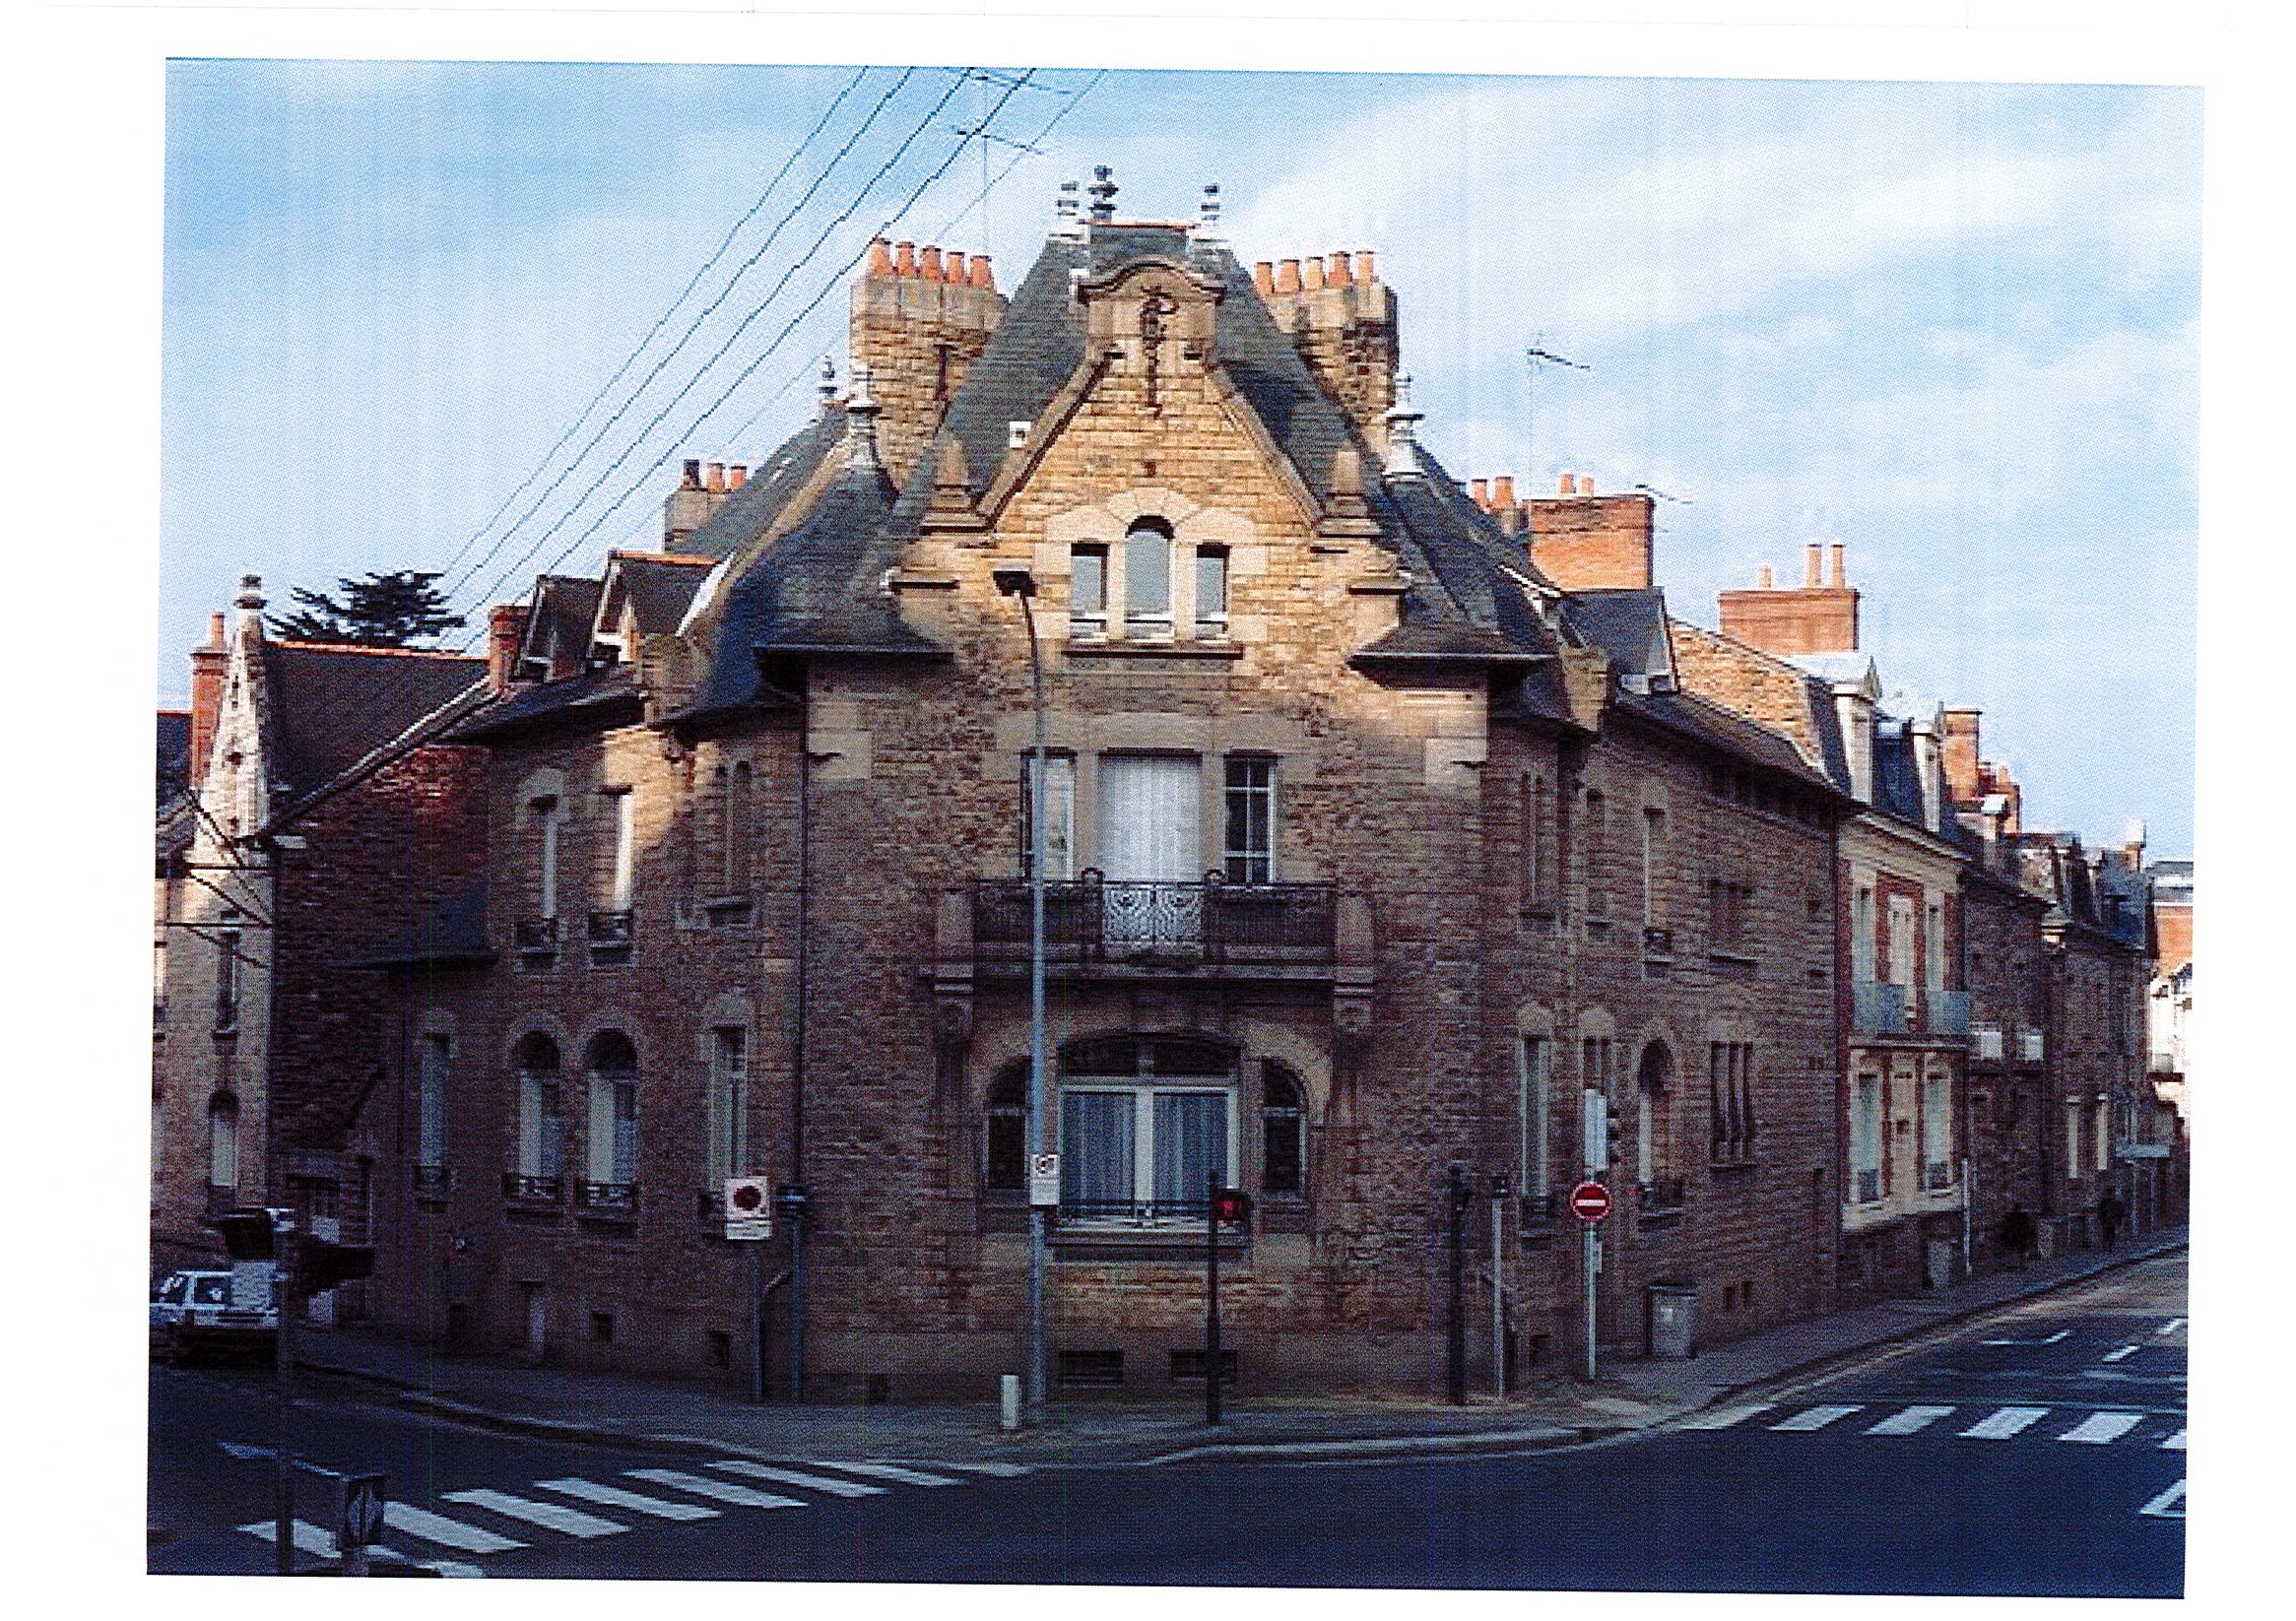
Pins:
x,y
1369,850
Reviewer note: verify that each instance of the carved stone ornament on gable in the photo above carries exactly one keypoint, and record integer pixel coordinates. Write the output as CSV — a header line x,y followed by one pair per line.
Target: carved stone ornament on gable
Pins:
x,y
1157,316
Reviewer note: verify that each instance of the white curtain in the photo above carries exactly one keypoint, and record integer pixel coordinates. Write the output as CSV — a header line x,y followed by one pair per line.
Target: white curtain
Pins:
x,y
1095,1159
1191,1132
1149,810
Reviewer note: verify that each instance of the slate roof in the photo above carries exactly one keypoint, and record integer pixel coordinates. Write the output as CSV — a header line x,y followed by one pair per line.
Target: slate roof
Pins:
x,y
1897,776
657,589
750,510
607,690
1710,723
1629,625
329,707
455,933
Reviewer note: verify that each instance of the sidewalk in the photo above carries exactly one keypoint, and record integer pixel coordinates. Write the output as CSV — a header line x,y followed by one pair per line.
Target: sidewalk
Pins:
x,y
1553,1410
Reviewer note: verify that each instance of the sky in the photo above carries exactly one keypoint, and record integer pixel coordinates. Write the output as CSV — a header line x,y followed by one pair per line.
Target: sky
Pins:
x,y
437,315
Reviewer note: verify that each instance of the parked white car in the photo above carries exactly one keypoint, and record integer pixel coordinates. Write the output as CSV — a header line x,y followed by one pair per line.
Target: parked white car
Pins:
x,y
195,1311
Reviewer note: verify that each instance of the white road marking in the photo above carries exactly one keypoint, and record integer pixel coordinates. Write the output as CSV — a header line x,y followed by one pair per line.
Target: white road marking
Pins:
x,y
437,1528
551,1516
615,1497
2061,1333
791,1477
2170,1327
1815,1418
2004,1423
309,1539
450,1566
742,1497
1002,1471
1907,1422
1724,1417
884,1472
2174,1444
2099,1428
246,1450
2122,1354
2169,1505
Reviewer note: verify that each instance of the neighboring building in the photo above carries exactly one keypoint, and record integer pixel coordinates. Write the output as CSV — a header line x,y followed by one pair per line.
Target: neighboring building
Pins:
x,y
1372,845
2169,1019
253,1011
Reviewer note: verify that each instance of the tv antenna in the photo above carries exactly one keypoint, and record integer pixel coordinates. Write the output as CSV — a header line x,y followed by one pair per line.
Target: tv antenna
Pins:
x,y
1537,356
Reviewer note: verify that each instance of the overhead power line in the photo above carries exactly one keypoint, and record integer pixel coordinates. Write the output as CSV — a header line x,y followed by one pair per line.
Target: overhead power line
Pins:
x,y
836,281
456,587
660,322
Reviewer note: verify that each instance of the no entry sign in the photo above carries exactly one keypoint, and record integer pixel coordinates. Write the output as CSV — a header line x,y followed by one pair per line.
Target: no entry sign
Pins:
x,y
1589,1202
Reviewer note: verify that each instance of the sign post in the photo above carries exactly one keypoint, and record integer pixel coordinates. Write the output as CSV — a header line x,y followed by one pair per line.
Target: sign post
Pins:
x,y
1589,1202
749,1212
359,1518
1500,1189
1225,1207
1044,1181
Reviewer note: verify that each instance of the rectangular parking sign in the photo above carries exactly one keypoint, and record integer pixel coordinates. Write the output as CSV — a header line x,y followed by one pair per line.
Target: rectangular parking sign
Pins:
x,y
1044,1181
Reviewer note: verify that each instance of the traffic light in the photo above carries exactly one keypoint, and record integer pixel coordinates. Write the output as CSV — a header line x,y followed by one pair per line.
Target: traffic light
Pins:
x,y
1231,1208
323,1264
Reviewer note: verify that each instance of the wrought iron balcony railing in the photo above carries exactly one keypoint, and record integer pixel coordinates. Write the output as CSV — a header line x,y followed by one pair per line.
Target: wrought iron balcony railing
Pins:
x,y
607,1198
1657,942
1131,1212
533,1190
613,927
1879,1008
1095,919
537,934
432,1181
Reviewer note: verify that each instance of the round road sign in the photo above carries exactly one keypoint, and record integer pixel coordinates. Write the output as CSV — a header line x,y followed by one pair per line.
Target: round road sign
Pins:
x,y
1589,1202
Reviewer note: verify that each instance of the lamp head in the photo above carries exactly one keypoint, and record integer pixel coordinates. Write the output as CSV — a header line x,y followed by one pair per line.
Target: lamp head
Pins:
x,y
1015,579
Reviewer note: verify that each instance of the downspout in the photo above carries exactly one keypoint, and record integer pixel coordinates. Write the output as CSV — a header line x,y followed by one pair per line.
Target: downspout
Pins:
x,y
792,1196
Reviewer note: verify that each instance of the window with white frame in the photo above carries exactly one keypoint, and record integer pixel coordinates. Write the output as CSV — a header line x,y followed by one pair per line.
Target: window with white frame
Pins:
x,y
1059,815
541,1116
612,1068
1934,948
1145,1127
1148,580
1250,852
1088,592
1865,1137
729,1102
1901,942
1211,593
434,1056
1534,1106
1862,934
1937,1128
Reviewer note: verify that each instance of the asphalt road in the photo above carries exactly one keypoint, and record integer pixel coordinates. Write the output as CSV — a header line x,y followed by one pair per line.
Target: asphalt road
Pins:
x,y
2038,1451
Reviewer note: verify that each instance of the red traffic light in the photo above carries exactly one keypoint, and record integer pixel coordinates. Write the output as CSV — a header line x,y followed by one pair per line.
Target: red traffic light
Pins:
x,y
1231,1208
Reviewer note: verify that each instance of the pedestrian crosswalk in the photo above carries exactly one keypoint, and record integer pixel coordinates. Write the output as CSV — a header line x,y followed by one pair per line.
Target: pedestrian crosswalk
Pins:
x,y
494,1521
1979,1422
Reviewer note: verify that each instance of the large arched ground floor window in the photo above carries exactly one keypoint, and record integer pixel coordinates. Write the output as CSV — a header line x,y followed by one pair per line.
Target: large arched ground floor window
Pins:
x,y
1146,1125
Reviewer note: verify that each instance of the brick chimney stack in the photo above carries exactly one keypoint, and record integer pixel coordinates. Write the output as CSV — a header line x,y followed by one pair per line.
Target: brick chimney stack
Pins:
x,y
1585,541
506,634
1822,616
693,503
208,664
919,321
1963,784
1343,318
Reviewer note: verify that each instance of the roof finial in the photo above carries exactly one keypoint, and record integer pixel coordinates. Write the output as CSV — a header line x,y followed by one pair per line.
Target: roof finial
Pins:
x,y
1208,211
827,386
861,412
1403,448
1103,191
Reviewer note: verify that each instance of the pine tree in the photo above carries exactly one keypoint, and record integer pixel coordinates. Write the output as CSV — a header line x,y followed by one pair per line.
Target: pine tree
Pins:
x,y
394,610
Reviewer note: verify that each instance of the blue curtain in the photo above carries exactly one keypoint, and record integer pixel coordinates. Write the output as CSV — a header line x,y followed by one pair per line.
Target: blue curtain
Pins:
x,y
1096,1152
1191,1146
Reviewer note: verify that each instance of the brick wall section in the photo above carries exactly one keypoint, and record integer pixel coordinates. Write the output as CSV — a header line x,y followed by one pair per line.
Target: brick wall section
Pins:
x,y
1746,679
2009,1106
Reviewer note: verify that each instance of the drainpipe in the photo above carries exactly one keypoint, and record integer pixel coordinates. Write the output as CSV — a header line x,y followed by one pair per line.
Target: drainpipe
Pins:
x,y
792,1196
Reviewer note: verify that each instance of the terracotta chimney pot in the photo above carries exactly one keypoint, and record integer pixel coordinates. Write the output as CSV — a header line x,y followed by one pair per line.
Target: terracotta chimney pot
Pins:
x,y
1264,277
1840,574
1342,274
1365,270
1311,273
929,263
982,275
737,475
714,478
1568,486
904,258
1503,490
1586,483
1481,489
952,269
1809,567
1287,276
1762,579
880,257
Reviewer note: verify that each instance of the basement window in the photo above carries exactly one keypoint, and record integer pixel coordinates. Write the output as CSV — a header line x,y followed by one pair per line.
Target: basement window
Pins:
x,y
1099,1369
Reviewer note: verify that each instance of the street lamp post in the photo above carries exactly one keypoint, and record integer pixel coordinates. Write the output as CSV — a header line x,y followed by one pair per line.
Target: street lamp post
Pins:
x,y
1017,580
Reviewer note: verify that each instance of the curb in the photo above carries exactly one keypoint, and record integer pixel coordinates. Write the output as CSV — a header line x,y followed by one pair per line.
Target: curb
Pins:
x,y
1523,1438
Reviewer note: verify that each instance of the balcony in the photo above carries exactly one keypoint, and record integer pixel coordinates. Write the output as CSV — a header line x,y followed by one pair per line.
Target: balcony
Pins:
x,y
520,1189
431,1183
607,1199
1946,1012
1879,1009
613,935
1091,921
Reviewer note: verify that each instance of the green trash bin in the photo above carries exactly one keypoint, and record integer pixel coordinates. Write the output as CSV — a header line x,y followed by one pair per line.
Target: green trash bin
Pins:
x,y
1673,1320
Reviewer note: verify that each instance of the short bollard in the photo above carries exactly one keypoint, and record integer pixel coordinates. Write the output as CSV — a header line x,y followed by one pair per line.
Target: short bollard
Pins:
x,y
1008,1401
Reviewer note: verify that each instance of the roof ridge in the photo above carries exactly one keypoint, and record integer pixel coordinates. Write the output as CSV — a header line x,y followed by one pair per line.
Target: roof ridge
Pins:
x,y
386,652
